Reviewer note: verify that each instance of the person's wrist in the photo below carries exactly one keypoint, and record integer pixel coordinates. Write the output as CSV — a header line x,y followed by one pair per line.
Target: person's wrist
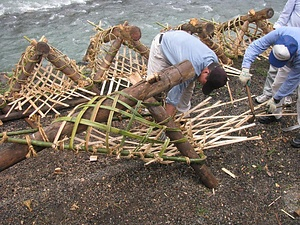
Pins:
x,y
245,70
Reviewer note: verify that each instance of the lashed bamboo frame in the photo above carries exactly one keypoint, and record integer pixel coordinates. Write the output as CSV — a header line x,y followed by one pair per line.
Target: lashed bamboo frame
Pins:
x,y
139,137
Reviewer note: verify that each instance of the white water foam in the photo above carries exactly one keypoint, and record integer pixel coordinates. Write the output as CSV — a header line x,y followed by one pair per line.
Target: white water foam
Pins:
x,y
18,7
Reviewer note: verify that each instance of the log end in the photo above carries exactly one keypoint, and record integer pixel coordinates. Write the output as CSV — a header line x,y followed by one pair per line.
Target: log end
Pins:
x,y
135,33
42,48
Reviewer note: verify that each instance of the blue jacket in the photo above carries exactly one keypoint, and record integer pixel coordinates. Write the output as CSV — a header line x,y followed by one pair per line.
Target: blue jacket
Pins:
x,y
178,46
260,45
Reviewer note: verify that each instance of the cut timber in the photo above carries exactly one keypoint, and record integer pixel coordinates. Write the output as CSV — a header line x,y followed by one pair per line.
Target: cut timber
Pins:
x,y
251,17
129,34
22,77
105,64
185,148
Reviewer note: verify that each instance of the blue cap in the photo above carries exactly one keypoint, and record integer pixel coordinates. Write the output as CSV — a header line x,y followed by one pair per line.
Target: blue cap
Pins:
x,y
283,50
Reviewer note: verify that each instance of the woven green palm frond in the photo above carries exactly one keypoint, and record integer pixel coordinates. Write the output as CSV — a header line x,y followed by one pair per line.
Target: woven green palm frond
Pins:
x,y
115,131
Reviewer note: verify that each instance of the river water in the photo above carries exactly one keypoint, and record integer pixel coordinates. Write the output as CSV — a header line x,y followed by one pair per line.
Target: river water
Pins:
x,y
64,22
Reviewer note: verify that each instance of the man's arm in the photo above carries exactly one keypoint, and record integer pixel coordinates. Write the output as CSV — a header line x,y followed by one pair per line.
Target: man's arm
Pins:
x,y
170,109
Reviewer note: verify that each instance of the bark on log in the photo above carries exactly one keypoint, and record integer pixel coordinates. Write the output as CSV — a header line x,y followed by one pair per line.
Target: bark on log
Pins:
x,y
141,48
68,69
130,34
122,31
41,49
110,55
205,31
143,90
259,15
240,38
250,17
186,149
194,26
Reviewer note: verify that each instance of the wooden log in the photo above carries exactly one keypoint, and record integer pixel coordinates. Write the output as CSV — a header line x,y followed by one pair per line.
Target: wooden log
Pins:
x,y
263,14
143,90
122,31
130,34
240,37
109,57
185,148
264,26
194,26
251,17
68,69
41,49
141,48
205,31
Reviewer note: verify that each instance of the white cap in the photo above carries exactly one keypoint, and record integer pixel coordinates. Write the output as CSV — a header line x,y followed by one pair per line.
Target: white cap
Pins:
x,y
281,52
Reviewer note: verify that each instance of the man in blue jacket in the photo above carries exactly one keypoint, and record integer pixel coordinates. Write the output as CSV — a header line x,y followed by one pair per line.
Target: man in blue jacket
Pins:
x,y
285,55
175,46
290,16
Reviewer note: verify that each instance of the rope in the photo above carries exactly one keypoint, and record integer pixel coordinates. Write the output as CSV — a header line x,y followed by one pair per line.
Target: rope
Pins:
x,y
4,137
31,151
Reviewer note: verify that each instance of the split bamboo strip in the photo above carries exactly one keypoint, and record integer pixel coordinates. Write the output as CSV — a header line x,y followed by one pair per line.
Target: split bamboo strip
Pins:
x,y
220,144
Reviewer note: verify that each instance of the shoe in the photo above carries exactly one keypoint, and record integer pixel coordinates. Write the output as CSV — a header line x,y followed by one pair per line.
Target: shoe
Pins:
x,y
262,98
268,119
296,142
287,100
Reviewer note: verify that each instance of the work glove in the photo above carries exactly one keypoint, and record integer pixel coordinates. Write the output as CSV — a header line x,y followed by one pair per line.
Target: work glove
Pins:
x,y
271,105
245,77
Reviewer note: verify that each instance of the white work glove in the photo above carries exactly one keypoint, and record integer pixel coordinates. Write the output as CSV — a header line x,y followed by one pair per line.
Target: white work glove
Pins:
x,y
271,105
245,76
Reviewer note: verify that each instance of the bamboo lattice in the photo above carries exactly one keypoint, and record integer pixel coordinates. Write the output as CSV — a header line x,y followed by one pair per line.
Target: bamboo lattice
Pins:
x,y
46,87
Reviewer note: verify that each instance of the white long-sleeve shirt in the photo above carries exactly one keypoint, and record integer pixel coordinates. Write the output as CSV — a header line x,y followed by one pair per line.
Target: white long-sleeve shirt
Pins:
x,y
290,15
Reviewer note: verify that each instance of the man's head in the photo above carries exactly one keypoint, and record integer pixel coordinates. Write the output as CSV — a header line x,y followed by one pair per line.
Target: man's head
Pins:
x,y
283,50
215,79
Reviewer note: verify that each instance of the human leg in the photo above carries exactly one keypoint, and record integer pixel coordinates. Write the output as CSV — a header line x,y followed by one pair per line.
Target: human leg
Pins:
x,y
267,91
281,76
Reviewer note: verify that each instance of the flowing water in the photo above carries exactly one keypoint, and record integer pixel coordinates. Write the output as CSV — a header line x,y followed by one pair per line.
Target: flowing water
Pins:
x,y
64,22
